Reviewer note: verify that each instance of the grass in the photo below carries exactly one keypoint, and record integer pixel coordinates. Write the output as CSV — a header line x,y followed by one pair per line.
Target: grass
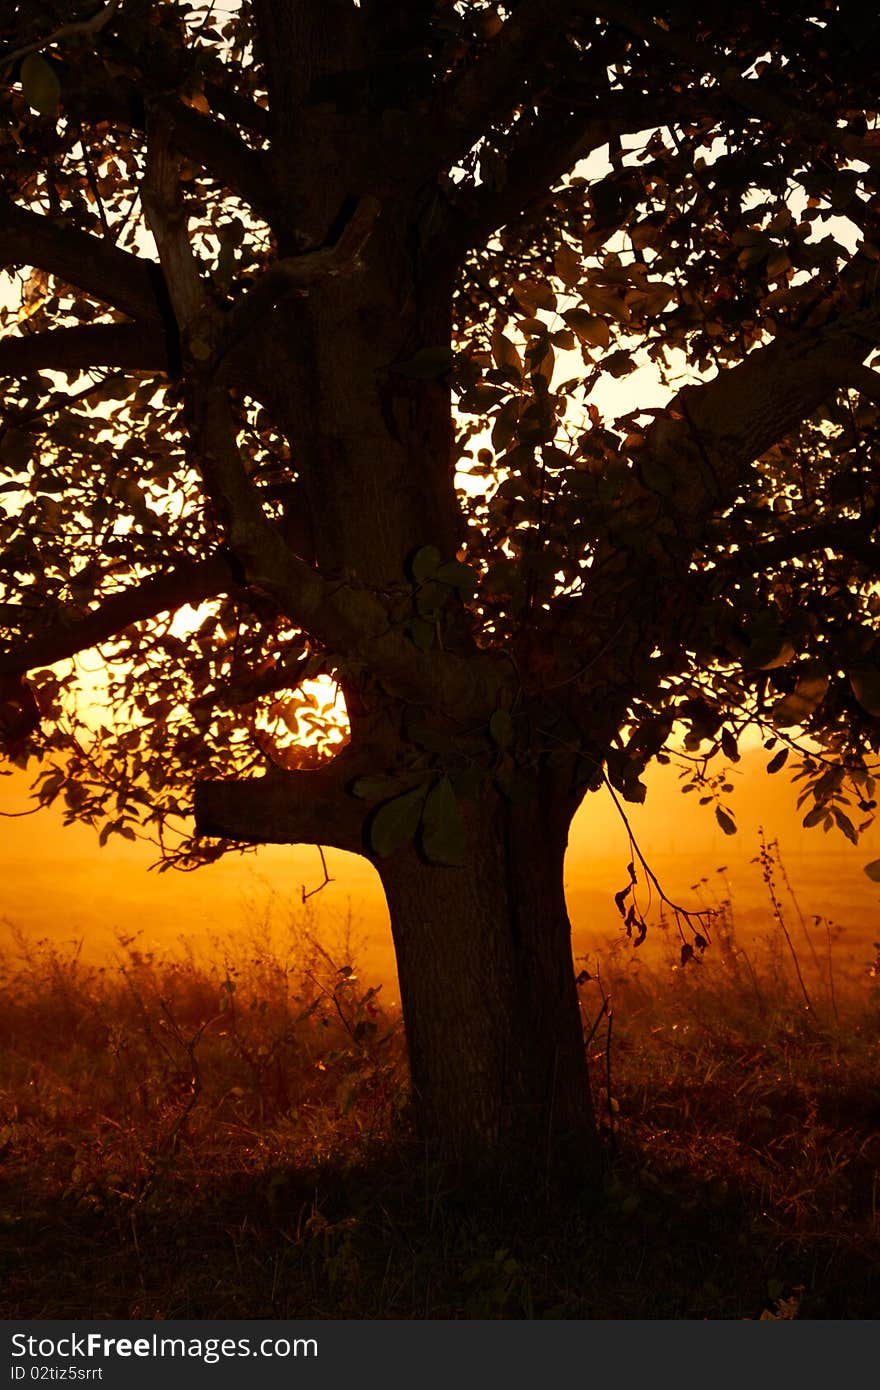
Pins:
x,y
226,1136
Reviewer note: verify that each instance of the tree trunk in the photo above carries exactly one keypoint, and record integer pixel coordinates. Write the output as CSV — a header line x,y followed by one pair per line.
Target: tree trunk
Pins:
x,y
489,997
483,949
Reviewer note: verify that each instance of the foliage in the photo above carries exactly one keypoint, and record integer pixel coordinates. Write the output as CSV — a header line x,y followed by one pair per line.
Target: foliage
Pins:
x,y
617,199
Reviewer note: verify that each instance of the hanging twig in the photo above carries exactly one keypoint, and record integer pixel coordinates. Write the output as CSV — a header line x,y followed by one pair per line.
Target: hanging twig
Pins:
x,y
321,886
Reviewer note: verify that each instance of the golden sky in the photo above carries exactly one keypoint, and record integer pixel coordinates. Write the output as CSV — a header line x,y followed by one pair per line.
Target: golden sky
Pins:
x,y
58,883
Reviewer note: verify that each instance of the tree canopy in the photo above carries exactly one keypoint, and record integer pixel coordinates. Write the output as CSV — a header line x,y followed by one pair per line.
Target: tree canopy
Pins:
x,y
613,192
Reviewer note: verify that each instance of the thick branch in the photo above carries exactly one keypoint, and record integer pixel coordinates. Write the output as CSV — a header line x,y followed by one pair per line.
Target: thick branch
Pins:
x,y
695,459
297,274
192,582
547,148
848,538
725,424
488,90
286,808
238,108
166,218
104,271
298,43
202,138
128,346
80,28
348,620
247,689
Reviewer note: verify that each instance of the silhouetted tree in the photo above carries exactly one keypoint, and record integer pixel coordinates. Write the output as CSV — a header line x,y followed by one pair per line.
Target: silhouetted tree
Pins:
x,y
320,309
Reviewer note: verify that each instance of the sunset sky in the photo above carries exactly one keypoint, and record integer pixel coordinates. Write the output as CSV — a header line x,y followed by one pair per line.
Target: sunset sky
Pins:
x,y
57,882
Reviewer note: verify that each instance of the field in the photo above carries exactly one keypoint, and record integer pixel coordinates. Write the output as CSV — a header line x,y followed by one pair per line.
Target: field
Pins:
x,y
225,1134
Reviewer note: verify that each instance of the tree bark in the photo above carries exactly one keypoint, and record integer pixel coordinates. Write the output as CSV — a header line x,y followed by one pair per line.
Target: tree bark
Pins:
x,y
490,1003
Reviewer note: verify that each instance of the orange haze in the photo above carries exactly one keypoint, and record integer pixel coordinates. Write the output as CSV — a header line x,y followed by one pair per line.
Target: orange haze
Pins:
x,y
58,883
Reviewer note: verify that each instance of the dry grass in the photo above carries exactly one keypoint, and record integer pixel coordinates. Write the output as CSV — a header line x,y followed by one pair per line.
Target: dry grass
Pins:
x,y
226,1136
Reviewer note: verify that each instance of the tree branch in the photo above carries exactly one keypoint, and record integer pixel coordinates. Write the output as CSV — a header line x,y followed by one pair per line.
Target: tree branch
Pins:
x,y
245,690
211,143
712,432
192,582
546,149
104,271
296,274
488,90
694,460
238,108
850,538
286,808
348,620
128,346
74,29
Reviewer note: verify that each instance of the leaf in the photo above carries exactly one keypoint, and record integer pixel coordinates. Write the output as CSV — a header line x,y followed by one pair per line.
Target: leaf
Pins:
x,y
845,824
769,645
16,450
535,294
865,684
40,85
803,701
778,761
727,823
568,265
371,788
396,822
873,870
424,563
589,327
480,398
506,354
619,364
605,301
458,576
501,728
442,833
633,790
430,598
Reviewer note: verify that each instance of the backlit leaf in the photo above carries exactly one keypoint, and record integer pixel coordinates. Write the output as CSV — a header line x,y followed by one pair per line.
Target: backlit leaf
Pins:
x,y
727,823
40,84
424,563
591,329
567,264
506,353
501,728
866,688
457,576
442,834
395,823
803,701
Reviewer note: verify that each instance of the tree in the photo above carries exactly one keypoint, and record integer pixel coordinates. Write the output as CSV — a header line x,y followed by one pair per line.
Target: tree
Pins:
x,y
319,300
